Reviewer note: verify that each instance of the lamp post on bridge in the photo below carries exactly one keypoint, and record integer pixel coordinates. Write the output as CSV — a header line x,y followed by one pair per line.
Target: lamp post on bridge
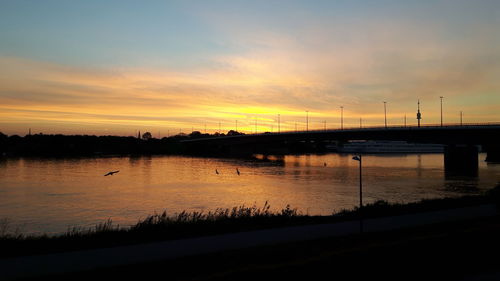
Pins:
x,y
341,117
441,97
385,114
359,158
307,120
278,123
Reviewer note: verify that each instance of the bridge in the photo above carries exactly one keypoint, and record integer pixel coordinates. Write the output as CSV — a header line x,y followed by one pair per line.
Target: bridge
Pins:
x,y
460,140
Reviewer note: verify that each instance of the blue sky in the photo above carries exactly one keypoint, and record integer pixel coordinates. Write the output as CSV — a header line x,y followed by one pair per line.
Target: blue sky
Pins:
x,y
102,32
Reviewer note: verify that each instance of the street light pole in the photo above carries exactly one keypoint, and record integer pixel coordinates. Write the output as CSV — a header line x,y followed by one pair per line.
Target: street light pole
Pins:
x,y
385,114
359,158
307,121
441,97
278,123
341,117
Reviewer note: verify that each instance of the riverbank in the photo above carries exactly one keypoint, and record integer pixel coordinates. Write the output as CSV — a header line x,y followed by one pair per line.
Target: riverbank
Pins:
x,y
461,250
161,227
206,258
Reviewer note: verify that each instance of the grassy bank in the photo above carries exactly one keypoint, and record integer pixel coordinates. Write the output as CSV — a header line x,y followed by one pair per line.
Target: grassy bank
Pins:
x,y
448,251
161,226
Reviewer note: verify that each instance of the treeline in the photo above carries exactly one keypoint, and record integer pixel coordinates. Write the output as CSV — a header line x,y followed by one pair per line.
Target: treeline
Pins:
x,y
86,145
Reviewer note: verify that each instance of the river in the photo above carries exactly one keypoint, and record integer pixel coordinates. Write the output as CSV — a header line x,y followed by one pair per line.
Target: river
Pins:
x,y
52,195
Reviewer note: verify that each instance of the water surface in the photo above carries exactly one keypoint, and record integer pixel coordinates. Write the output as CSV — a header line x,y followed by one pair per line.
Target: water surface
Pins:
x,y
50,195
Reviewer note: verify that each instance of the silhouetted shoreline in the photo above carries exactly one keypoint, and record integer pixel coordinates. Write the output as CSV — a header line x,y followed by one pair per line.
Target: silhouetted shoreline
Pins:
x,y
58,145
63,146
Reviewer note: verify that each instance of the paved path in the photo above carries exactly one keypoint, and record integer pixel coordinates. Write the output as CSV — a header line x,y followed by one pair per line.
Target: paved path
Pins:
x,y
32,266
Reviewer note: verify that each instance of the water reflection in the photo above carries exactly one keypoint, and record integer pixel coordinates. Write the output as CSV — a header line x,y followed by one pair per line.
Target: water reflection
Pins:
x,y
468,172
462,185
51,194
419,165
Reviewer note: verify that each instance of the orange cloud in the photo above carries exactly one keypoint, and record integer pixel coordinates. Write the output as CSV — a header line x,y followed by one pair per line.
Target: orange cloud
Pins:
x,y
284,79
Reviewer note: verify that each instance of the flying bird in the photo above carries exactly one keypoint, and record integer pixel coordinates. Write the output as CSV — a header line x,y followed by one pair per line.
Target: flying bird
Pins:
x,y
324,164
111,173
237,171
217,172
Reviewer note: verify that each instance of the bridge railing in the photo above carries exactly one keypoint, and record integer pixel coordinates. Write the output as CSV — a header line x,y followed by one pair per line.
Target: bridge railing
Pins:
x,y
495,125
378,127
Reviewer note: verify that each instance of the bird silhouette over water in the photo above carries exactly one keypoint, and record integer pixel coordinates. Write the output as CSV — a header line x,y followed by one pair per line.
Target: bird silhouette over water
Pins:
x,y
111,173
324,164
217,172
237,171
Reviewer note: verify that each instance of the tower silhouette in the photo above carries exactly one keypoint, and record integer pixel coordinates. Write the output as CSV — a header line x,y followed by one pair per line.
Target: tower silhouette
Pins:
x,y
419,115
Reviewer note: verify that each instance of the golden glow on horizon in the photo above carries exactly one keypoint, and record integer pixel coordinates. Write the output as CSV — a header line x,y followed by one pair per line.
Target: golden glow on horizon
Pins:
x,y
52,98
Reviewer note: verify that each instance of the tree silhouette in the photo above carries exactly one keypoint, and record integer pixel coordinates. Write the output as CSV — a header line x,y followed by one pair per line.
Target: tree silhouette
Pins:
x,y
234,133
195,134
147,136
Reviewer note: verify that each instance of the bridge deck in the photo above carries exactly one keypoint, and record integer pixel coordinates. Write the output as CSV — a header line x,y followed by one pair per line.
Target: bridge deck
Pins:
x,y
463,134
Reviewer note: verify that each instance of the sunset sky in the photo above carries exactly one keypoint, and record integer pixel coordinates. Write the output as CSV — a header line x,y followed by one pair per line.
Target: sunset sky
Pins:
x,y
116,67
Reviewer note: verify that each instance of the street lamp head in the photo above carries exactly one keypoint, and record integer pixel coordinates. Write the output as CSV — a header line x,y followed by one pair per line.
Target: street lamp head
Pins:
x,y
357,158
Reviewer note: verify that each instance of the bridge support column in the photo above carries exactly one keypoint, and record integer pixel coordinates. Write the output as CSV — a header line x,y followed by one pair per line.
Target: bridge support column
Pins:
x,y
492,153
461,160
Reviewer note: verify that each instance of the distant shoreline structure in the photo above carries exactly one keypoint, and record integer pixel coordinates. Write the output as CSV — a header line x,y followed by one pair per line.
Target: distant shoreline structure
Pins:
x,y
386,147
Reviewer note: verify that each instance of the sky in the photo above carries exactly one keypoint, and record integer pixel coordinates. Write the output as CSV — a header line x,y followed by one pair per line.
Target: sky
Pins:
x,y
119,67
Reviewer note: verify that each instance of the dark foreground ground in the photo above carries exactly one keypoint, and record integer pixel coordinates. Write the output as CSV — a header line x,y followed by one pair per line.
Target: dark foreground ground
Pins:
x,y
465,250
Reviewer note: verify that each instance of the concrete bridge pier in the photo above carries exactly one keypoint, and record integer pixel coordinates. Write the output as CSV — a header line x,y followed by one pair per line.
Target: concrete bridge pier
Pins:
x,y
461,160
492,153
